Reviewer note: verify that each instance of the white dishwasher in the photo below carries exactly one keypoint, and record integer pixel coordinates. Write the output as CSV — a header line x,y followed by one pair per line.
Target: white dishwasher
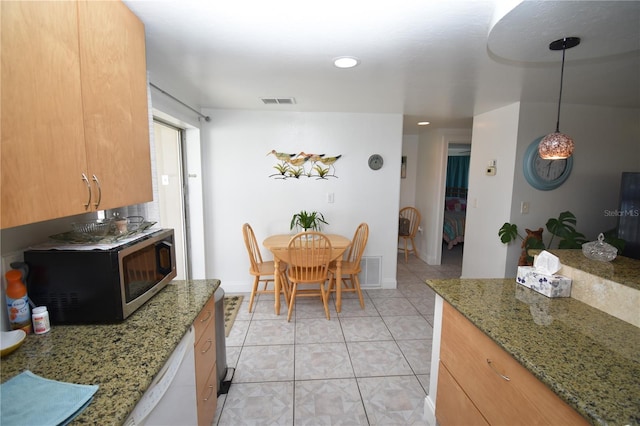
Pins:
x,y
171,398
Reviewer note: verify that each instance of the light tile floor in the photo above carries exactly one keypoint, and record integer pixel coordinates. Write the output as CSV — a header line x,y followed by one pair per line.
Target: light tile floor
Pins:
x,y
363,367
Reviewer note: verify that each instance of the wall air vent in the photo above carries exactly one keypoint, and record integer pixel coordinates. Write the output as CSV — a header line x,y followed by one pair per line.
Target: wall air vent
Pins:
x,y
278,101
370,272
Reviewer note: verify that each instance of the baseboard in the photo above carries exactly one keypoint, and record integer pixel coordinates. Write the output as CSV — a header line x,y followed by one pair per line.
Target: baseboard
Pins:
x,y
235,287
430,411
390,283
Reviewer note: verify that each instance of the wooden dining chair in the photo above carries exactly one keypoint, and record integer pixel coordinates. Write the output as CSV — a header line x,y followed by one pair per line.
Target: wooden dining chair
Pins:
x,y
263,272
351,264
408,227
309,254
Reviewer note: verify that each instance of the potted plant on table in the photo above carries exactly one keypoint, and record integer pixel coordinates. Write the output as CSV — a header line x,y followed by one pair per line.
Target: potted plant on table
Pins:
x,y
307,221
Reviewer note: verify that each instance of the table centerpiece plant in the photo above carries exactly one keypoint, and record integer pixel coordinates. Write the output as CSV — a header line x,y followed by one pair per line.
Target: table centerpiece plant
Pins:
x,y
307,221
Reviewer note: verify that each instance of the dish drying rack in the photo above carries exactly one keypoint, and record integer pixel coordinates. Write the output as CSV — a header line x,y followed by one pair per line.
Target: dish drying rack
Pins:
x,y
102,231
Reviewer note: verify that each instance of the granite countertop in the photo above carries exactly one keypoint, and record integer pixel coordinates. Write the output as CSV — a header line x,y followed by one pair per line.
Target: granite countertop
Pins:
x,y
121,358
622,270
588,358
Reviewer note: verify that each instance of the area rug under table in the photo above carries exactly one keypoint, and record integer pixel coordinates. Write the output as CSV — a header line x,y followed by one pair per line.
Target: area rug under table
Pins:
x,y
231,308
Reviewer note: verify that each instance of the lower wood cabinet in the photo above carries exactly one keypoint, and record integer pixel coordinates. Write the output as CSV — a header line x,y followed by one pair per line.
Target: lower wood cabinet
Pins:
x,y
479,383
205,363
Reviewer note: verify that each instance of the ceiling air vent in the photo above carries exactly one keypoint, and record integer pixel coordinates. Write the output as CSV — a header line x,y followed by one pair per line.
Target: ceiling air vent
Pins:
x,y
278,101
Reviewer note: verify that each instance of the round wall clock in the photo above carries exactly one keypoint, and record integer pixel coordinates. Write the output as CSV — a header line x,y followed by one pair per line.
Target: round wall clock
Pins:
x,y
375,162
544,175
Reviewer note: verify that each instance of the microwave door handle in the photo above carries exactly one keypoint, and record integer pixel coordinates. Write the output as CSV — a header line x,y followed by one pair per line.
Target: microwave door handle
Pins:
x,y
164,262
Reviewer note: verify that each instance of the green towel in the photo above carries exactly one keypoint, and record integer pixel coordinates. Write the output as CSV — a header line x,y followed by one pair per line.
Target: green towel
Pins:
x,y
28,399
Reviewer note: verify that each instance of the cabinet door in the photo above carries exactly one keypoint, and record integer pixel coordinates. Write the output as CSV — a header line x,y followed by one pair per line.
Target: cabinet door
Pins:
x,y
453,406
43,149
208,399
114,94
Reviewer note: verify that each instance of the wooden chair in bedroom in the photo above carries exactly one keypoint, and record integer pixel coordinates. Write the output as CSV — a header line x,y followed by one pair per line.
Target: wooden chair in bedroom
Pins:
x,y
263,272
409,221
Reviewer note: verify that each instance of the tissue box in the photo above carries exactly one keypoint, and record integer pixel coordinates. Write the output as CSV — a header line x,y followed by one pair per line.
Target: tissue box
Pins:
x,y
549,285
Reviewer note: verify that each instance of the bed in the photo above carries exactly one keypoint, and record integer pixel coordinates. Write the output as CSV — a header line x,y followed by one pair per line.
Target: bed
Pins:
x,y
455,211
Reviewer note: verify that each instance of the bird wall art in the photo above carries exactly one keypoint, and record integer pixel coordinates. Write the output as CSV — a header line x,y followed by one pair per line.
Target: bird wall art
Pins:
x,y
318,166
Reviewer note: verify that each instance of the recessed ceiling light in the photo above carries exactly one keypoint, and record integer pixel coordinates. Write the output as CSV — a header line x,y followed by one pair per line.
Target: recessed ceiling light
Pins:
x,y
423,123
346,62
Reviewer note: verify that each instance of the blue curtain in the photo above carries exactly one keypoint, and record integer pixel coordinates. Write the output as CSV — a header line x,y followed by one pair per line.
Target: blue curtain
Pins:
x,y
458,171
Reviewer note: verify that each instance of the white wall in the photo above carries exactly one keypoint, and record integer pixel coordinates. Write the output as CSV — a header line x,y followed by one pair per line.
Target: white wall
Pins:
x,y
429,184
489,197
238,187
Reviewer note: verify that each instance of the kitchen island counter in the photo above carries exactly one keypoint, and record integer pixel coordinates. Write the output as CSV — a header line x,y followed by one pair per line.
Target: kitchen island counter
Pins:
x,y
121,358
587,357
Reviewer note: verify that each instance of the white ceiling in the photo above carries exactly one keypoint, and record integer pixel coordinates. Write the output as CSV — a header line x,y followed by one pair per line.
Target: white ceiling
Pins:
x,y
436,60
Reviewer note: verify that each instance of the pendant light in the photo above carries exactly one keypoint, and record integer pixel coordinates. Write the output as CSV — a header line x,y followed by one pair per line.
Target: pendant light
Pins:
x,y
556,145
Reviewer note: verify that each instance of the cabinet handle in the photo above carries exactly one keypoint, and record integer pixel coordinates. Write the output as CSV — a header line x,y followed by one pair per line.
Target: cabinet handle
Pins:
x,y
207,317
86,181
95,179
496,371
210,393
204,351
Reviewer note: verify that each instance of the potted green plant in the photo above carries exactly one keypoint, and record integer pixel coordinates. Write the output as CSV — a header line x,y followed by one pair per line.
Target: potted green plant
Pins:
x,y
307,221
562,227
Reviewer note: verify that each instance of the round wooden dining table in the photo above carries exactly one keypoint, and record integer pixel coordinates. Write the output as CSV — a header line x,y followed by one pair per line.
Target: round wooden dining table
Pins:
x,y
278,245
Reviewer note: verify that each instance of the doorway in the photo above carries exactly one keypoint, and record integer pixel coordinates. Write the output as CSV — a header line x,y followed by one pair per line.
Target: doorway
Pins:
x,y
455,202
171,189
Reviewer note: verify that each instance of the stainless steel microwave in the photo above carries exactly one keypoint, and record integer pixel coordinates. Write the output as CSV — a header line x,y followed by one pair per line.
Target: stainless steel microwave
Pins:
x,y
100,286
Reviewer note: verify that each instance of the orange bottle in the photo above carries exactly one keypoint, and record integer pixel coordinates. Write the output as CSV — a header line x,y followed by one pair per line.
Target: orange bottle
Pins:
x,y
18,302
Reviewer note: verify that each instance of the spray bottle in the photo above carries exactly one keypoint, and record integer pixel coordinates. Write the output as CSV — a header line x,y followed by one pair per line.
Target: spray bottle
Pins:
x,y
18,301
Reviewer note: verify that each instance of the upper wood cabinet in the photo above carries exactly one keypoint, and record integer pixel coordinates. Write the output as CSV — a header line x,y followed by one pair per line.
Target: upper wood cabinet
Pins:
x,y
74,105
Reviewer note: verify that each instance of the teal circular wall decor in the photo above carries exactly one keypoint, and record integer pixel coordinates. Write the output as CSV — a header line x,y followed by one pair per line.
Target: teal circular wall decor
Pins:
x,y
545,175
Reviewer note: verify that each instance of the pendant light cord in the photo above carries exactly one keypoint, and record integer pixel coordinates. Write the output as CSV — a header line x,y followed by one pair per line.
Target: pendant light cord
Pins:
x,y
564,45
